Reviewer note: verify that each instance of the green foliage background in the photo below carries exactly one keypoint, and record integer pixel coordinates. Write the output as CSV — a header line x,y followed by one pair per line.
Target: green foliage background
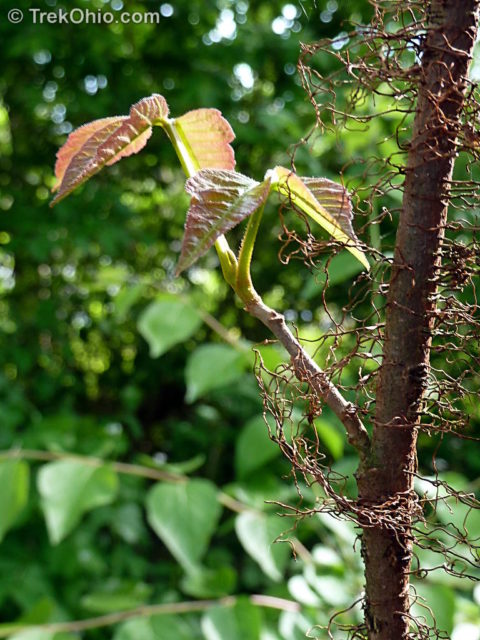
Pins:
x,y
105,355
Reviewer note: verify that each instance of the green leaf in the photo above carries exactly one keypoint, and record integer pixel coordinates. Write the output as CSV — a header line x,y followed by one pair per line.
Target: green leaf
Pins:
x,y
104,142
212,366
325,202
126,298
210,583
254,447
220,201
116,595
166,322
14,480
159,627
207,136
41,634
331,437
69,489
243,621
301,591
441,600
257,533
184,515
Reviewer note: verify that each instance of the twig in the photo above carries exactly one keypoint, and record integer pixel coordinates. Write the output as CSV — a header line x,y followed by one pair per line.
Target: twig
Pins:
x,y
120,467
269,602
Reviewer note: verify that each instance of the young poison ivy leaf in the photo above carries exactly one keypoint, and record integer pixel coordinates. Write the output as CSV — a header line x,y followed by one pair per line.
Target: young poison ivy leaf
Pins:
x,y
104,142
207,136
220,201
325,202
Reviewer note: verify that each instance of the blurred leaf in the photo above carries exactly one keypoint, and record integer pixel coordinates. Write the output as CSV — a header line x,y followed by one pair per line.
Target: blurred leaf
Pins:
x,y
253,447
243,621
331,437
257,533
295,626
14,480
441,600
210,583
128,522
166,322
342,267
115,596
126,298
69,489
184,515
212,366
41,634
335,591
301,591
159,627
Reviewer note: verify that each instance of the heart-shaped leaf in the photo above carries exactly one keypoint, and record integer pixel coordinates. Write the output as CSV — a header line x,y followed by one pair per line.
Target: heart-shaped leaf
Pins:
x,y
243,621
257,533
14,480
207,136
69,489
220,201
325,202
104,142
166,322
213,366
184,515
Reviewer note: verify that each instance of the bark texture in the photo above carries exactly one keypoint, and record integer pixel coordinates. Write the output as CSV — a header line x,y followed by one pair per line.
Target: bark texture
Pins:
x,y
386,480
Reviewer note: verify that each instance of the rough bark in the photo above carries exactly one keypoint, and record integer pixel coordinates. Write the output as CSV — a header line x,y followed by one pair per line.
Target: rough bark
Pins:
x,y
386,480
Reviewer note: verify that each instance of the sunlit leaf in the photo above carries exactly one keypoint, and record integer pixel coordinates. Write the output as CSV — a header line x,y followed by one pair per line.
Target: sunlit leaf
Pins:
x,y
41,634
14,480
220,201
243,621
166,322
254,447
207,136
212,366
104,142
325,202
69,489
184,515
159,627
257,532
210,583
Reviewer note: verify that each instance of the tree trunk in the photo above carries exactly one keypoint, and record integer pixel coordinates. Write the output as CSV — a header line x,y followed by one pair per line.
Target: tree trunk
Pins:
x,y
385,480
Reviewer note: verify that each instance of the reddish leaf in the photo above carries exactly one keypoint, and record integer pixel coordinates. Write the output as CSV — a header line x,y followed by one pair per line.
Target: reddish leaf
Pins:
x,y
104,142
207,134
220,201
75,142
82,164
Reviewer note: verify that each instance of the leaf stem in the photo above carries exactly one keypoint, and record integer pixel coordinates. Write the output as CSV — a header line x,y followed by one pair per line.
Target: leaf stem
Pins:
x,y
243,284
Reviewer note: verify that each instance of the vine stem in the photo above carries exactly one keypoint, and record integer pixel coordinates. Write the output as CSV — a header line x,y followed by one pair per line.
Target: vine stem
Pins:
x,y
237,274
268,602
119,467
